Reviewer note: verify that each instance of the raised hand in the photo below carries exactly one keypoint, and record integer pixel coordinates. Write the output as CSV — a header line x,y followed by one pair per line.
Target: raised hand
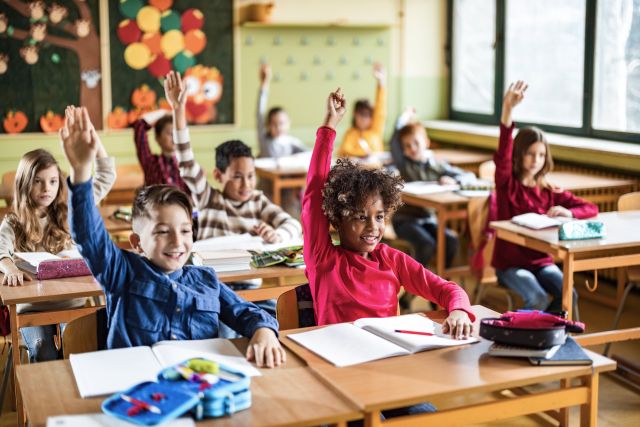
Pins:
x,y
512,97
79,142
175,90
336,108
265,74
379,73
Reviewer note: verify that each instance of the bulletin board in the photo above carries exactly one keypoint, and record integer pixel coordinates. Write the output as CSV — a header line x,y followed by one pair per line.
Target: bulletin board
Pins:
x,y
49,58
150,38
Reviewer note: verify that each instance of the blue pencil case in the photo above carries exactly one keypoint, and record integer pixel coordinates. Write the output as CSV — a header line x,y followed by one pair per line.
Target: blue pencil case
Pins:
x,y
202,387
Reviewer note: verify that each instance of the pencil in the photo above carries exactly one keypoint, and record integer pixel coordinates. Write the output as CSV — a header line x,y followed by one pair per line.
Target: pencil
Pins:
x,y
402,331
149,407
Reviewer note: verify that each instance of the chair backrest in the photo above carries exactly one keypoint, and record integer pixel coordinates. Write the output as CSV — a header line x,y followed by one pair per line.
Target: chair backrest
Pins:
x,y
294,308
629,202
487,170
481,243
6,190
87,333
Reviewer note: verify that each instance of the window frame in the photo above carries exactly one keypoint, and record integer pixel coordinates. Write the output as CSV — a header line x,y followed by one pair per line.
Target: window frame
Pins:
x,y
587,129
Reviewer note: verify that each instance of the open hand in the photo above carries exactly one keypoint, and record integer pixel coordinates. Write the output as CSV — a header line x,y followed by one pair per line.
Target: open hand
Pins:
x,y
379,73
265,349
559,211
336,108
79,141
265,73
514,94
175,90
458,325
14,277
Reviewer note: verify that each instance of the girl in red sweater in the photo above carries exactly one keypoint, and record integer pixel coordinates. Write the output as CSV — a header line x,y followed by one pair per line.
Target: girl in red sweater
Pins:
x,y
521,187
361,277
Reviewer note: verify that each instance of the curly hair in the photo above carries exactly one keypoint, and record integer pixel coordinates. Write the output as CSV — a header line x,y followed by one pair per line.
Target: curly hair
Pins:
x,y
23,217
348,187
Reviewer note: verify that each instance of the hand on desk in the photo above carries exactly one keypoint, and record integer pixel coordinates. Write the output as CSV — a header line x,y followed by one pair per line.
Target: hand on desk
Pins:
x,y
265,349
458,325
13,276
267,233
559,211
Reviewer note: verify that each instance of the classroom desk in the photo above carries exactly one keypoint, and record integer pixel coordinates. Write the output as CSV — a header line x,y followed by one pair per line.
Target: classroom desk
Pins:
x,y
602,191
112,224
291,395
465,159
283,177
619,248
128,179
38,291
458,371
287,278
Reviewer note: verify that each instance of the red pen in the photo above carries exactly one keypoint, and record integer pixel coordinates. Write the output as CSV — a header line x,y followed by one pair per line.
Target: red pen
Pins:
x,y
141,404
402,331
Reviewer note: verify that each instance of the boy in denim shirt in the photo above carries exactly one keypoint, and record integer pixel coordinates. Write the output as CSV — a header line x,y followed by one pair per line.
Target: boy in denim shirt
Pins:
x,y
151,294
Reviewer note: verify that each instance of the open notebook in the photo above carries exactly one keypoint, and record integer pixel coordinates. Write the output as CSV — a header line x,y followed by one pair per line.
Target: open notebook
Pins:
x,y
537,221
109,371
370,339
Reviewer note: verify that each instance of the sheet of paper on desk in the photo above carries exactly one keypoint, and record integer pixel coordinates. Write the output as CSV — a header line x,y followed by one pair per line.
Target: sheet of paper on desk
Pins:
x,y
104,420
299,161
234,241
537,221
428,187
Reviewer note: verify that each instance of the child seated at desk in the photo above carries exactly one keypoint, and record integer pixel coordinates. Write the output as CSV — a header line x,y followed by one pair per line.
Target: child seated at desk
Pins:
x,y
239,207
151,294
521,187
361,277
37,222
415,162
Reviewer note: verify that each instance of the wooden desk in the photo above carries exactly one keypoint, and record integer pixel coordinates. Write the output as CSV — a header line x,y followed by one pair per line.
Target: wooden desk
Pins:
x,y
283,177
620,247
286,396
463,158
602,191
128,179
112,224
452,372
287,278
39,291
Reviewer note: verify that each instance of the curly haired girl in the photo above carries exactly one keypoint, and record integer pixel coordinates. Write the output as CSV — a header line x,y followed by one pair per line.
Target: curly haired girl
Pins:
x,y
361,277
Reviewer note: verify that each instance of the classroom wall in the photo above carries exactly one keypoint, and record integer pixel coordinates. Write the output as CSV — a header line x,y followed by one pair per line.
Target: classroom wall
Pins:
x,y
417,76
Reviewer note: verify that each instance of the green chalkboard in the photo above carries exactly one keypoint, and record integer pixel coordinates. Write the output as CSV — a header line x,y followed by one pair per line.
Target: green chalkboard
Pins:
x,y
134,25
53,78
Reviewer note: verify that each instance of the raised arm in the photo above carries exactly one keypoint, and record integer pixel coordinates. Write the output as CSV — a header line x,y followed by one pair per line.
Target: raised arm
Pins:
x,y
190,171
261,110
315,225
512,97
380,107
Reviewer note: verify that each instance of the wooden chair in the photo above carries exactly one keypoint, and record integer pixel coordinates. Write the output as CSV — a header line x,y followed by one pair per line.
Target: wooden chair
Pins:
x,y
128,179
487,170
626,202
87,333
478,212
6,188
294,308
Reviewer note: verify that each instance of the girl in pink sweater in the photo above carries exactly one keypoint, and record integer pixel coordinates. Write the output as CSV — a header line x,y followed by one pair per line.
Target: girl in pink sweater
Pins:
x,y
361,277
521,187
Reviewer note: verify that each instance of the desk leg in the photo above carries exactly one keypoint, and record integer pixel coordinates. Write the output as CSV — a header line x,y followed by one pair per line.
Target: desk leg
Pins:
x,y
589,411
567,285
440,243
563,413
372,419
15,342
277,189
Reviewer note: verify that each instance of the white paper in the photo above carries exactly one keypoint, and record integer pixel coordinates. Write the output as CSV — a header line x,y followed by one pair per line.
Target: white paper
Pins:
x,y
428,187
235,241
345,344
294,162
105,372
219,350
35,258
104,420
537,221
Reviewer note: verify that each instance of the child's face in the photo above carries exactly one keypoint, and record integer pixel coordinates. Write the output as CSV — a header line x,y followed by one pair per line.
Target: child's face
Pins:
x,y
239,180
534,158
45,186
165,238
414,145
362,119
165,139
363,230
279,124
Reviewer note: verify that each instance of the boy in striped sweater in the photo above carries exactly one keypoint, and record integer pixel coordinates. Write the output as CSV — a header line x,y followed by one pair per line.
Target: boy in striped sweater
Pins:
x,y
239,207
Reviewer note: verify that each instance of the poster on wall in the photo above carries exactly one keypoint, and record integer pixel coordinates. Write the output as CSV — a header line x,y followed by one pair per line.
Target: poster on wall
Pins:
x,y
49,58
151,38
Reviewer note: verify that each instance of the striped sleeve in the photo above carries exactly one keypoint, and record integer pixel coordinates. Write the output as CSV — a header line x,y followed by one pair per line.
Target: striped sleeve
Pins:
x,y
285,226
190,171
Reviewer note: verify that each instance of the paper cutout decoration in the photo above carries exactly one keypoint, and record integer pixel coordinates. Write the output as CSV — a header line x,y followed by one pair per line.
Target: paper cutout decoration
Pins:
x,y
172,42
128,31
204,90
51,122
57,13
117,119
170,21
143,97
137,56
160,66
4,63
192,19
152,40
15,122
148,19
195,41
161,4
183,60
130,8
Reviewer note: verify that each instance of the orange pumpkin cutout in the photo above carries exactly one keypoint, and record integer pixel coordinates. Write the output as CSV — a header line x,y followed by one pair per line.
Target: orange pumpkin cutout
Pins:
x,y
15,122
143,97
50,122
117,119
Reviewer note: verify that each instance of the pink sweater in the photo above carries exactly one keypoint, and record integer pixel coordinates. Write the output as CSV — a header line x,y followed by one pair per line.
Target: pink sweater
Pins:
x,y
514,198
346,286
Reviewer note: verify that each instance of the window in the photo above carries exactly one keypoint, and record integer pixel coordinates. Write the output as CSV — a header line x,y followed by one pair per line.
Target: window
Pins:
x,y
581,59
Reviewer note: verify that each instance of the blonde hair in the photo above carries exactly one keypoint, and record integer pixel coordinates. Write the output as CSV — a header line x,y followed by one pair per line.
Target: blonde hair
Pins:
x,y
23,216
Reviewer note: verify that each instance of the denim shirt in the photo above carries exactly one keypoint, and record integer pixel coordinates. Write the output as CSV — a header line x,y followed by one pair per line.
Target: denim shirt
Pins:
x,y
145,305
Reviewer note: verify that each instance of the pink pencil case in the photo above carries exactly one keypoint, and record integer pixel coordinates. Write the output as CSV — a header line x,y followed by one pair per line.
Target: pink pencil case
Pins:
x,y
59,268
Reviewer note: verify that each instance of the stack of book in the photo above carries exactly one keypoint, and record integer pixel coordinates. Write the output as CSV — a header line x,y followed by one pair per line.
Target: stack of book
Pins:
x,y
221,261
569,353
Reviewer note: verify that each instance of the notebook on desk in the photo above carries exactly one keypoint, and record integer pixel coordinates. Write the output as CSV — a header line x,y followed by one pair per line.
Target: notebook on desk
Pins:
x,y
537,221
369,339
45,265
570,353
105,372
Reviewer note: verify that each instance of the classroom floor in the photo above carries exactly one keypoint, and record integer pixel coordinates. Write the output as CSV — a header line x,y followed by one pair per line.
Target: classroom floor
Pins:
x,y
619,405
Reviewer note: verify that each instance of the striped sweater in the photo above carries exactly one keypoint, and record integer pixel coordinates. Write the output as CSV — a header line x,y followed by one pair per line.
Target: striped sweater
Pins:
x,y
220,216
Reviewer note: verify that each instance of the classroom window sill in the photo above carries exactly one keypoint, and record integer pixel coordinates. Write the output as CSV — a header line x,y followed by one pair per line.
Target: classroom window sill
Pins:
x,y
588,151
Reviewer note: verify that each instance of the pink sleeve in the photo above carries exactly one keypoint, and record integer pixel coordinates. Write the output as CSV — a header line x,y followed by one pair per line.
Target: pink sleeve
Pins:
x,y
580,208
420,281
315,225
502,157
